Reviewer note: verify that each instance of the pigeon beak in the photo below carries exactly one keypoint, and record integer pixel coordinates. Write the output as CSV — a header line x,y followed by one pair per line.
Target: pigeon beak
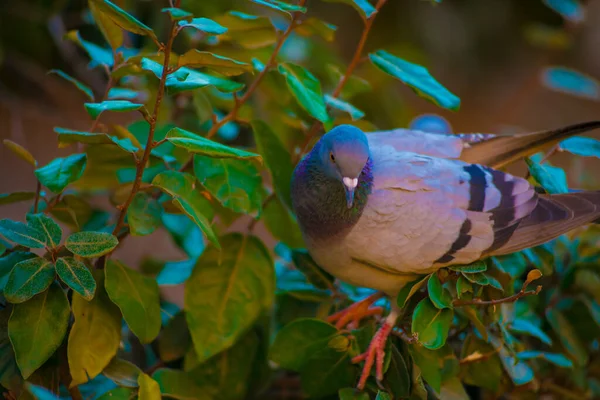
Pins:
x,y
350,184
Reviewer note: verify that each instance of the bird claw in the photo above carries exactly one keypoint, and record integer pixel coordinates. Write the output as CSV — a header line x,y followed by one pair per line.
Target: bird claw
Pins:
x,y
351,316
375,354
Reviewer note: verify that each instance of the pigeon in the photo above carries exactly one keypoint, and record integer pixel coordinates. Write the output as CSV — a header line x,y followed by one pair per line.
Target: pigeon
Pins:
x,y
379,209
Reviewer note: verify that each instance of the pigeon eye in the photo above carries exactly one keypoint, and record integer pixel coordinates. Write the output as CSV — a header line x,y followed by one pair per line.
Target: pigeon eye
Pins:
x,y
331,157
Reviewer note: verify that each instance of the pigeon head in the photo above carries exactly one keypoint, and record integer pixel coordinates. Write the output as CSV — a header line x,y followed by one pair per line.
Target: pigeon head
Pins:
x,y
344,152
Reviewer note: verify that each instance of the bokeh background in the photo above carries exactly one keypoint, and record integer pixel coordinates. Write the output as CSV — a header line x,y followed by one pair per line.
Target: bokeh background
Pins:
x,y
493,54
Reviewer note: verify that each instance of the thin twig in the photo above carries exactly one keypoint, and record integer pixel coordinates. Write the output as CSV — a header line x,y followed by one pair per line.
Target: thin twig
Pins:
x,y
36,202
473,358
402,334
510,299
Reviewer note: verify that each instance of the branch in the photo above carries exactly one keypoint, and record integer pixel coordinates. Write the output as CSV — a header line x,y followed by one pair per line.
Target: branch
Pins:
x,y
510,299
36,202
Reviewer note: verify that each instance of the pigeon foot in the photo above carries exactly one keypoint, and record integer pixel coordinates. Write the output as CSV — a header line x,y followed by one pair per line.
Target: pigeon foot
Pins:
x,y
375,354
352,315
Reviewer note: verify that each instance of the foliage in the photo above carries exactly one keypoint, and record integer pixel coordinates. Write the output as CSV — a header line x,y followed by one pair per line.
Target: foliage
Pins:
x,y
223,116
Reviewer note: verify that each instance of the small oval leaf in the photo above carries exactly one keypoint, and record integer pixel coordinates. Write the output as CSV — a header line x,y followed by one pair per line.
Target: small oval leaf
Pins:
x,y
77,276
91,244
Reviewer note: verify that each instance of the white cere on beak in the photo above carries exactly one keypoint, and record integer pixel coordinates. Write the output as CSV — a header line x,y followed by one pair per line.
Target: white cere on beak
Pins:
x,y
350,183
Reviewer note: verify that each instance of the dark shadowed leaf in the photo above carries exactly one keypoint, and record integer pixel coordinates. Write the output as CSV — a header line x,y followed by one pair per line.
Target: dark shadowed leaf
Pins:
x,y
327,371
144,214
199,145
95,335
122,372
463,286
67,136
58,173
83,88
306,88
77,276
47,226
439,296
182,187
37,327
95,109
341,105
227,290
91,244
280,6
552,179
365,9
22,234
7,263
138,298
485,371
410,289
123,19
225,65
477,266
582,146
452,389
235,183
10,377
180,385
398,374
352,394
282,224
28,278
174,340
8,198
20,152
149,389
416,77
315,274
204,25
431,324
526,327
556,359
568,336
569,9
277,159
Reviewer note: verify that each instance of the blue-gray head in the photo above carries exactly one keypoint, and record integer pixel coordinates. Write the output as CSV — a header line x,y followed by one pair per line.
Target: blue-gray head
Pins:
x,y
344,152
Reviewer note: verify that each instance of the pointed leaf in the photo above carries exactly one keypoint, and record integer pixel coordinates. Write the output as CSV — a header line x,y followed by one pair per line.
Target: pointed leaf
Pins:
x,y
182,187
556,359
143,214
123,19
9,198
431,324
20,152
552,179
28,278
68,136
60,172
570,81
40,392
365,9
225,65
22,234
204,25
306,88
98,55
439,296
582,146
280,6
199,145
341,105
77,276
37,327
177,14
410,289
47,226
526,327
91,244
416,77
149,389
95,109
111,31
138,298
83,88
569,9
228,292
95,335
568,336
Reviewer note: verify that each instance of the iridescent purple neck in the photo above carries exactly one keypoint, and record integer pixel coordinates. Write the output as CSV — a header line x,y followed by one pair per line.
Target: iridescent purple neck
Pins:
x,y
320,201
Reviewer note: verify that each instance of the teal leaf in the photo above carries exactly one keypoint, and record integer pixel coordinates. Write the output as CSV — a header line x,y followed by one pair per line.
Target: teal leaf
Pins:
x,y
37,328
95,109
60,172
416,77
582,146
40,392
28,278
143,215
185,79
341,105
410,289
225,65
16,197
431,324
277,159
569,9
182,187
280,6
228,290
119,93
473,268
22,234
237,184
177,14
46,225
306,89
519,372
570,81
98,55
175,272
364,8
439,296
552,179
556,359
83,88
138,298
200,145
123,19
91,244
77,276
282,224
204,25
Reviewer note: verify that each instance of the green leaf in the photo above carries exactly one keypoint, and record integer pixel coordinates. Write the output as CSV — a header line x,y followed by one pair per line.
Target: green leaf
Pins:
x,y
99,55
111,31
439,296
149,389
431,363
568,336
143,215
477,266
478,278
431,324
416,77
95,109
174,340
123,19
77,276
8,262
352,394
556,359
383,396
67,136
28,278
122,372
205,25
249,31
37,327
326,372
10,377
47,226
453,389
314,26
398,375
138,298
20,152
341,105
299,340
91,244
552,179
180,385
60,172
365,9
315,274
228,292
199,145
306,89
277,159
182,187
582,146
177,14
282,224
237,184
409,290
83,88
484,372
463,286
9,198
225,65
280,6
120,393
22,234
